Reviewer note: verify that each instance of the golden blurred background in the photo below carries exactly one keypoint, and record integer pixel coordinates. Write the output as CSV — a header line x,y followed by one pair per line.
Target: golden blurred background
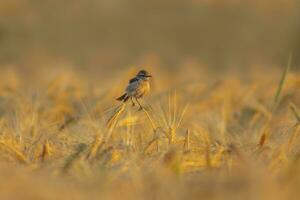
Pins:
x,y
222,120
113,34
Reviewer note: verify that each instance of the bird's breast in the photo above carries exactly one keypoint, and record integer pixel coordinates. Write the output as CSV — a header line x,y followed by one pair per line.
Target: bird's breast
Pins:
x,y
143,89
146,86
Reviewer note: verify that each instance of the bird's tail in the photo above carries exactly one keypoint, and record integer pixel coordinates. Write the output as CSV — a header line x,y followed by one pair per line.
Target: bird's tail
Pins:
x,y
123,98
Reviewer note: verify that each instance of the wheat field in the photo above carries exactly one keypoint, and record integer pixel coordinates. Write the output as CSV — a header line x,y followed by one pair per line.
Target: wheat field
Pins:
x,y
64,136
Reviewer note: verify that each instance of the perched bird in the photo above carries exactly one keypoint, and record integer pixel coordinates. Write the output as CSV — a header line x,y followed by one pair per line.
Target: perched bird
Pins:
x,y
137,87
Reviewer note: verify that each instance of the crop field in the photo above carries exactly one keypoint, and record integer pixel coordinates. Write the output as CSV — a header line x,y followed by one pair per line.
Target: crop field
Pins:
x,y
64,136
221,120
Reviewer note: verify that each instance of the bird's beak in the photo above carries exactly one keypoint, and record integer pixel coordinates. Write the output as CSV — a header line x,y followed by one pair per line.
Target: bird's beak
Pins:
x,y
149,76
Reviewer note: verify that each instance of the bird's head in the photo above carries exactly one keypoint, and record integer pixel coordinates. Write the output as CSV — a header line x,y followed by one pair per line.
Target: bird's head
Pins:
x,y
144,74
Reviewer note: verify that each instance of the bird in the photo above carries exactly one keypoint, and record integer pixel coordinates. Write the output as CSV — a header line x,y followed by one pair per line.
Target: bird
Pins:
x,y
137,87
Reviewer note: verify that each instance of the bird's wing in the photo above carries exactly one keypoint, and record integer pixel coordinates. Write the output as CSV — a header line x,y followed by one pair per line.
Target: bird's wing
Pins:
x,y
133,80
131,88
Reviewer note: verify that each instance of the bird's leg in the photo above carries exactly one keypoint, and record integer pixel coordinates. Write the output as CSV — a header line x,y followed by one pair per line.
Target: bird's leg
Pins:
x,y
141,107
133,104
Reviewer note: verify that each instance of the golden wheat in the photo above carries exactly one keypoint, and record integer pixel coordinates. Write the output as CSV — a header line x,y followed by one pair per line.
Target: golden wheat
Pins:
x,y
214,140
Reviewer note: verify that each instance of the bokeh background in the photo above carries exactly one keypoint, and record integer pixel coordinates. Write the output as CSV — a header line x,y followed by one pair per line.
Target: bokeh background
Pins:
x,y
218,122
114,34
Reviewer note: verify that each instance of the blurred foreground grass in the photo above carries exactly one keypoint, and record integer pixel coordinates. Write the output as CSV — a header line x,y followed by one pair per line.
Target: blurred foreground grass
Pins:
x,y
212,138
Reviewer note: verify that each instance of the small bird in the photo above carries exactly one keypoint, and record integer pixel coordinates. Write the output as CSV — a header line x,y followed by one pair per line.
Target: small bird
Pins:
x,y
137,88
